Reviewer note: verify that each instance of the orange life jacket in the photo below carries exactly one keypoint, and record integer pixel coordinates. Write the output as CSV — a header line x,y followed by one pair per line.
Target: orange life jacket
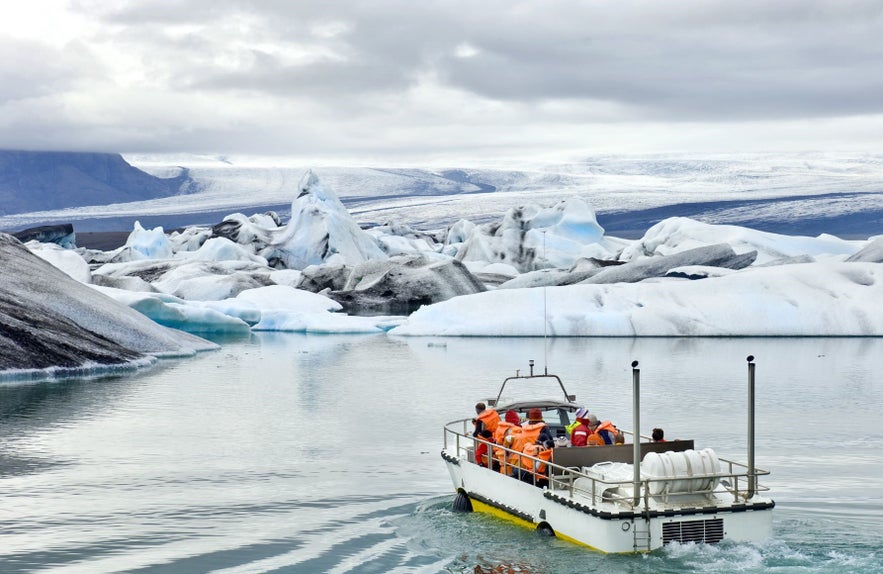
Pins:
x,y
490,418
536,451
508,459
546,455
607,426
595,440
530,449
503,429
530,432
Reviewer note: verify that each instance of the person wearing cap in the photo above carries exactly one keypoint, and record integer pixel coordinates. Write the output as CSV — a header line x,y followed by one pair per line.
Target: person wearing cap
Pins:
x,y
579,436
505,427
606,430
535,429
594,438
580,413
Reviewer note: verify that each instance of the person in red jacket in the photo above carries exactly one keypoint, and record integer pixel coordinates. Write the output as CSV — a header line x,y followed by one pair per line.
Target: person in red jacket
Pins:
x,y
482,448
658,435
579,436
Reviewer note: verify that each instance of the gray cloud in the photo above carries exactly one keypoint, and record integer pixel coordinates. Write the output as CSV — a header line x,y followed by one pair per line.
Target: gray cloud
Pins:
x,y
401,74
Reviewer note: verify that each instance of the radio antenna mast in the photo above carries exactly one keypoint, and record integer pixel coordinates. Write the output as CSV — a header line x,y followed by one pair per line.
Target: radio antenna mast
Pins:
x,y
545,318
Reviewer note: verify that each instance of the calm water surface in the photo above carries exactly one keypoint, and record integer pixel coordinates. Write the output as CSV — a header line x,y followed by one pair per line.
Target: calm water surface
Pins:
x,y
290,453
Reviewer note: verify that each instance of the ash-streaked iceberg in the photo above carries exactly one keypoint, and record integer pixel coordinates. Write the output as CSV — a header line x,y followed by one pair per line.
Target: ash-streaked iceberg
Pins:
x,y
52,324
321,230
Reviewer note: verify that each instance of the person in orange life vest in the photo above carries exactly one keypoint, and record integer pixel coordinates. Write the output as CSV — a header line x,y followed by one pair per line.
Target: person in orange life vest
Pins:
x,y
534,471
486,419
580,434
508,459
594,439
481,451
658,435
505,426
605,429
535,429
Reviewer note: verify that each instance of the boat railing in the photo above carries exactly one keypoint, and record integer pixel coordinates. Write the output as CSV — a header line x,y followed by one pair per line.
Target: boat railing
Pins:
x,y
736,479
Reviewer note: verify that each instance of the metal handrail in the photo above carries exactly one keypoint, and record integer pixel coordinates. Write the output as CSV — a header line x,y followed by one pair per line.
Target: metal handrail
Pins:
x,y
573,473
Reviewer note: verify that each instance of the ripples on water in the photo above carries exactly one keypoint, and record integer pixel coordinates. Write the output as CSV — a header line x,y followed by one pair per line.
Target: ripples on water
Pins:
x,y
287,453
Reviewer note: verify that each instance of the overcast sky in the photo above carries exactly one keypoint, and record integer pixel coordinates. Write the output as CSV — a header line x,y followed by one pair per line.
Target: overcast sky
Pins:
x,y
421,81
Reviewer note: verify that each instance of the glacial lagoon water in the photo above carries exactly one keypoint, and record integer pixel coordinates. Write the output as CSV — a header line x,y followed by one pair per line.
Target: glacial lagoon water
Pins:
x,y
292,453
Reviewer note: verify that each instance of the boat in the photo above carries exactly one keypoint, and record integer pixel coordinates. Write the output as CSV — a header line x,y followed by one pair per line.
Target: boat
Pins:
x,y
620,498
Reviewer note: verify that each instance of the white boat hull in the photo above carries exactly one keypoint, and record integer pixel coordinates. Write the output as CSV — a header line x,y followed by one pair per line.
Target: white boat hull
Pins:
x,y
605,526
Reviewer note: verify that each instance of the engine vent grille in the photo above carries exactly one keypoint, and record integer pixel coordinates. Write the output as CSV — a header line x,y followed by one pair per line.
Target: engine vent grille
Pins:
x,y
709,531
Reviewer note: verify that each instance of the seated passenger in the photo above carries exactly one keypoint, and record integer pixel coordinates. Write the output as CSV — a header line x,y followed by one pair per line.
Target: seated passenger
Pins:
x,y
594,439
535,429
580,414
486,419
658,435
505,426
579,436
507,460
481,451
534,471
605,430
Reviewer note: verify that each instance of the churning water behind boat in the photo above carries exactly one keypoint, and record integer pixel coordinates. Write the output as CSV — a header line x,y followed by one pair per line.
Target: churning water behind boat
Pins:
x,y
291,453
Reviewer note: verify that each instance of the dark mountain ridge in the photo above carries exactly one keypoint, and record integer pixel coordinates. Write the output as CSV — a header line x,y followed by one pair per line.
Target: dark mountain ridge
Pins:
x,y
38,181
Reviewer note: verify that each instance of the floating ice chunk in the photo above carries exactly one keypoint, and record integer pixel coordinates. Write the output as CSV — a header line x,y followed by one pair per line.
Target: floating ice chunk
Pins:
x,y
149,243
222,249
678,234
283,298
177,313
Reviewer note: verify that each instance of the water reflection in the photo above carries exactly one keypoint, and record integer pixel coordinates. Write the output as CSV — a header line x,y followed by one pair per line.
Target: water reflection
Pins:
x,y
285,452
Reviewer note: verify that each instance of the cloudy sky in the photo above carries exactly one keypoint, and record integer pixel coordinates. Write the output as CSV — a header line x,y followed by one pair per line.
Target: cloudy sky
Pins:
x,y
418,81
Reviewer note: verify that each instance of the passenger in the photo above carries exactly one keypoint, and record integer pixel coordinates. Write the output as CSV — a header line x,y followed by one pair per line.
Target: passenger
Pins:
x,y
534,471
607,431
658,435
542,469
535,429
594,438
504,427
579,436
508,460
486,419
481,451
580,414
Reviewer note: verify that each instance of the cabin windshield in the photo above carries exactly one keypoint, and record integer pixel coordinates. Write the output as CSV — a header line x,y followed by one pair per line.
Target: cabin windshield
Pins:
x,y
539,387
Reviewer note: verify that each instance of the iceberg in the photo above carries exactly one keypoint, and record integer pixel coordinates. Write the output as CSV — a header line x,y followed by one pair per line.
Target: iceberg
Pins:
x,y
321,230
824,298
52,324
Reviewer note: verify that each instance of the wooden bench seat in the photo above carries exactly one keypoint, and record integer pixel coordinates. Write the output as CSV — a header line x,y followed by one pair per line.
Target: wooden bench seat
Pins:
x,y
579,456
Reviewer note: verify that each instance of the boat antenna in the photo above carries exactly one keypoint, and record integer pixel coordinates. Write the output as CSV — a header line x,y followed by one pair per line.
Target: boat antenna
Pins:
x,y
545,318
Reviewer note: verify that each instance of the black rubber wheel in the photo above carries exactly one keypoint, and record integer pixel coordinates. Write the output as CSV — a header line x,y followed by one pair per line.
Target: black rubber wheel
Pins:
x,y
462,503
